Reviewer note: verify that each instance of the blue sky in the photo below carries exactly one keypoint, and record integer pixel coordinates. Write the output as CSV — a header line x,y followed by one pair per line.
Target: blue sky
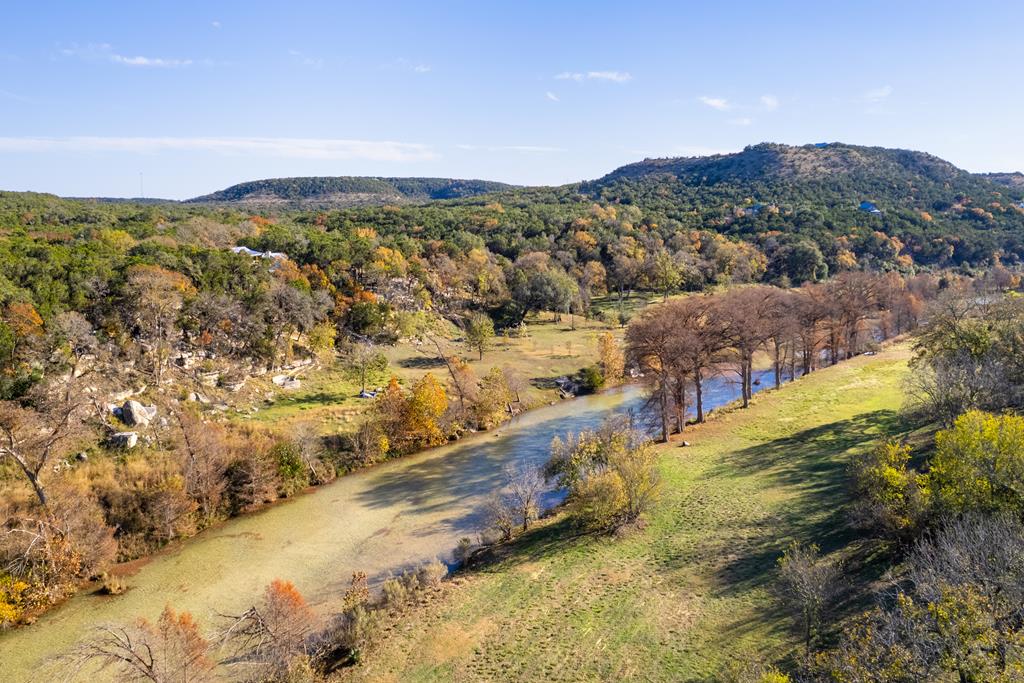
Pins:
x,y
196,96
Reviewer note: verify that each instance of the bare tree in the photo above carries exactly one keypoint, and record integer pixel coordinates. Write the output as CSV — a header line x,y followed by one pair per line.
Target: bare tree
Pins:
x,y
171,651
35,432
699,341
745,313
525,486
650,343
807,584
268,636
204,461
499,516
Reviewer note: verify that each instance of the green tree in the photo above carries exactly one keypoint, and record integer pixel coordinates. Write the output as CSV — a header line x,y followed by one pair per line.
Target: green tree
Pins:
x,y
363,361
979,464
479,332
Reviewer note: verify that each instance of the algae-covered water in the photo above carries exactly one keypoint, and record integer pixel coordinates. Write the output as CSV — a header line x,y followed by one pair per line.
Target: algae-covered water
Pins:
x,y
378,520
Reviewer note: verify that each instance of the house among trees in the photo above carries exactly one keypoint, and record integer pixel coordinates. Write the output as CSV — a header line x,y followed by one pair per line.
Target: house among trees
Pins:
x,y
275,255
869,207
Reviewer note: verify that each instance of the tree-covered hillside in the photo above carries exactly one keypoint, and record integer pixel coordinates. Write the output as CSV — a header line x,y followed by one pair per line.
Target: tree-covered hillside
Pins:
x,y
1014,180
327,192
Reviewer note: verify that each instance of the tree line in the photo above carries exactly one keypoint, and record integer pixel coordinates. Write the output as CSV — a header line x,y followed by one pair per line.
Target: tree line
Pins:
x,y
946,514
679,344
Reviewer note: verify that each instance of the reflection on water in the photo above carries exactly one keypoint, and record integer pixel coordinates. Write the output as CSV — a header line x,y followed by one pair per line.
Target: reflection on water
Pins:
x,y
378,520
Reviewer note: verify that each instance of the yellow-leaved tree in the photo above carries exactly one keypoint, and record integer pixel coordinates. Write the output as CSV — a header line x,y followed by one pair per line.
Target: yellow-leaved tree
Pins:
x,y
423,411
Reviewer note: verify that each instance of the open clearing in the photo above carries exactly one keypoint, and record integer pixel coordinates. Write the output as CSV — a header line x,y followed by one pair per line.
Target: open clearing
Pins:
x,y
551,349
671,602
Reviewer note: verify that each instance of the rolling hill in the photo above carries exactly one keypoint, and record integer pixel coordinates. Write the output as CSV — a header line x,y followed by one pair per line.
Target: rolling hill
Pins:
x,y
827,174
343,191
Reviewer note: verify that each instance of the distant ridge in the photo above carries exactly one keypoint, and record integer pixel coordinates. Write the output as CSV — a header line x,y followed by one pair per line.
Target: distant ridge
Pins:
x,y
1014,180
827,174
343,191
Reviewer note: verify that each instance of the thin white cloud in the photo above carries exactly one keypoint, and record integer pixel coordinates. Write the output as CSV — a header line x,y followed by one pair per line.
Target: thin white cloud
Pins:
x,y
742,121
8,95
296,148
402,64
215,24
770,102
878,94
105,52
551,96
616,76
159,62
580,76
530,149
306,60
719,103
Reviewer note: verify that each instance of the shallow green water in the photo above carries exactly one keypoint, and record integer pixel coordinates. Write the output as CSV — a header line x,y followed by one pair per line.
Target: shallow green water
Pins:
x,y
378,520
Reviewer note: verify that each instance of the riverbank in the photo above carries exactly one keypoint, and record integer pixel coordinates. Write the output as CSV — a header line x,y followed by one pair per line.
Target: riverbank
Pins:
x,y
377,520
547,347
679,599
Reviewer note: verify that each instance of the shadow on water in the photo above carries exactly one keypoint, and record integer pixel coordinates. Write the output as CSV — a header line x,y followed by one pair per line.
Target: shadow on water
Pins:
x,y
475,469
383,518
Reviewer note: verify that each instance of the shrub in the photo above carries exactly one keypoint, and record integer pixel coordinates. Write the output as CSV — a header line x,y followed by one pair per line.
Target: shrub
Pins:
x,y
432,573
591,379
597,500
463,550
611,475
979,465
353,630
891,498
15,597
112,585
291,468
411,581
807,584
394,593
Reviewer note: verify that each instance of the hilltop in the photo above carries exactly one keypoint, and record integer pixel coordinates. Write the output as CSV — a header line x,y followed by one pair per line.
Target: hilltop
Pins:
x,y
828,174
341,191
1015,180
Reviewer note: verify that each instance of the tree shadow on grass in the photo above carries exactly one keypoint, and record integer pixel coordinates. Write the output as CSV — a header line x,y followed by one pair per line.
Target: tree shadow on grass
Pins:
x,y
316,398
547,539
812,469
422,363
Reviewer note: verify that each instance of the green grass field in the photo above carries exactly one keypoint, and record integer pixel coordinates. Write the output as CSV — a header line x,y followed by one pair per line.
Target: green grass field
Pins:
x,y
680,599
551,350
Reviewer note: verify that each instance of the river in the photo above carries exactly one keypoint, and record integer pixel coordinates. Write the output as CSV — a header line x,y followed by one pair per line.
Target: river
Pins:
x,y
378,520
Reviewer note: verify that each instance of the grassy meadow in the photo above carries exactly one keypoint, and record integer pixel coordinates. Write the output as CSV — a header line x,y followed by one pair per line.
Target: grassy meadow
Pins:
x,y
551,349
693,590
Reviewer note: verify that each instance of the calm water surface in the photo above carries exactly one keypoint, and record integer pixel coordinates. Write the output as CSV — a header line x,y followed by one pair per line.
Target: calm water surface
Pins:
x,y
379,520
